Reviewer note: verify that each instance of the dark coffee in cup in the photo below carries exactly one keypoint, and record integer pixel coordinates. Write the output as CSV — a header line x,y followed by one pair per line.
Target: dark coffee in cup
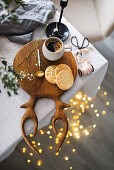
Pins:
x,y
53,45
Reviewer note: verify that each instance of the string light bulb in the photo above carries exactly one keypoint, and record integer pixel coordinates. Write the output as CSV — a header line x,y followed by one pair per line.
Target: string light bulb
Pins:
x,y
71,100
39,163
48,132
105,93
107,103
40,150
31,154
66,158
103,112
68,142
73,150
73,111
50,147
94,126
50,127
33,142
23,150
28,160
31,135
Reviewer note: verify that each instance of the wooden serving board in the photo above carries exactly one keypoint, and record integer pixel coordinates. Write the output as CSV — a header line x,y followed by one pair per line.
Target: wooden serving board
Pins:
x,y
40,87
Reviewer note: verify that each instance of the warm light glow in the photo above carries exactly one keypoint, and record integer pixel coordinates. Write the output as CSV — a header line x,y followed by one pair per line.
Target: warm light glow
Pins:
x,y
50,127
77,135
33,142
89,98
70,167
105,93
92,105
74,124
74,103
73,111
23,150
31,154
79,114
61,129
95,110
57,142
28,161
87,107
94,126
50,147
68,142
71,100
42,132
66,158
81,105
77,124
97,115
75,117
73,150
40,150
86,102
38,144
84,98
99,88
57,153
70,134
78,96
57,139
76,129
107,103
103,112
50,137
86,132
39,163
48,132
31,135
83,110
78,121
81,126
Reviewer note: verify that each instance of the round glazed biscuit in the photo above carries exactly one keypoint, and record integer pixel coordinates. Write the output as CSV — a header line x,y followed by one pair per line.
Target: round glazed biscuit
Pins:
x,y
61,67
64,80
50,74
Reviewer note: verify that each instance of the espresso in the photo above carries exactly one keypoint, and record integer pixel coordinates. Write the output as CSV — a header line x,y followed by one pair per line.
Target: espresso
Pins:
x,y
54,45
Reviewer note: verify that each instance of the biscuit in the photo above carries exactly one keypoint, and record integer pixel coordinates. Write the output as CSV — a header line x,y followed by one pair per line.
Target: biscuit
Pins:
x,y
50,74
64,80
61,67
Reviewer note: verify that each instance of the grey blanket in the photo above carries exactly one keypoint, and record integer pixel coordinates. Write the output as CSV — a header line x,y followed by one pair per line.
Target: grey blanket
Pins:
x,y
36,13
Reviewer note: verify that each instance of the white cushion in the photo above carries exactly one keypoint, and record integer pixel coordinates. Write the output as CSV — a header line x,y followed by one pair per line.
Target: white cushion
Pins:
x,y
93,18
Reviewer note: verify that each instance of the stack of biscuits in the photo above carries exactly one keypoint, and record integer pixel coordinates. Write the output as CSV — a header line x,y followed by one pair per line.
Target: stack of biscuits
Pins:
x,y
61,75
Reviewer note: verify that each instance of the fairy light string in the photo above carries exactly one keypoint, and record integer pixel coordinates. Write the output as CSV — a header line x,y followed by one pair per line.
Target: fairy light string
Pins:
x,y
80,105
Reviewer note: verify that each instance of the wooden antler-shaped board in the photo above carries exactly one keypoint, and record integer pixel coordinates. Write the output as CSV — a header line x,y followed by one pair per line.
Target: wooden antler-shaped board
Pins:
x,y
25,62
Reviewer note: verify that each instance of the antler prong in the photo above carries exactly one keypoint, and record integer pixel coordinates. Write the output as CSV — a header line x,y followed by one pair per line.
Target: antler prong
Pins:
x,y
59,114
29,114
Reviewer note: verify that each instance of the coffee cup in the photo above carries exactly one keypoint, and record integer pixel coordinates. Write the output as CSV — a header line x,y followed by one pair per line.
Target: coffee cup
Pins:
x,y
53,48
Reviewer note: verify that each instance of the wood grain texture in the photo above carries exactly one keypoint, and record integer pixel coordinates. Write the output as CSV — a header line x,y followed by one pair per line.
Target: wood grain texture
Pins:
x,y
39,87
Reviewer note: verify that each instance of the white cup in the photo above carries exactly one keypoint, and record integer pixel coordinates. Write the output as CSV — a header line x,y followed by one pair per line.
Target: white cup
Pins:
x,y
53,56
